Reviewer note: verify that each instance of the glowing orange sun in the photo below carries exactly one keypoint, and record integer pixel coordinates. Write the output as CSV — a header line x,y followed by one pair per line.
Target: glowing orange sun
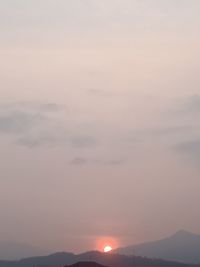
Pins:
x,y
107,249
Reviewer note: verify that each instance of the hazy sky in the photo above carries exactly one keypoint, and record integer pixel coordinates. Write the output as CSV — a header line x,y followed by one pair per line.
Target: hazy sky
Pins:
x,y
99,130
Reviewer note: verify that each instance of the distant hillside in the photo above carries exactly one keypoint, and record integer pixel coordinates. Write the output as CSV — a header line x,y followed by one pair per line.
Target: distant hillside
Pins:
x,y
182,246
109,260
14,251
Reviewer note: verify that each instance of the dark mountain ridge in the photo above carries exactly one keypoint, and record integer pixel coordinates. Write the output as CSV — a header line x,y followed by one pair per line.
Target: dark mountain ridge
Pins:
x,y
109,260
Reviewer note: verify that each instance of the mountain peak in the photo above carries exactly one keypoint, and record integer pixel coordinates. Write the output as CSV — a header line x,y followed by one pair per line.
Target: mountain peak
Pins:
x,y
183,246
183,233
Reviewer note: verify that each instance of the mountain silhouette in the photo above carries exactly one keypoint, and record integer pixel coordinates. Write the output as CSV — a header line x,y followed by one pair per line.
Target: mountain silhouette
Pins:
x,y
108,260
85,264
183,247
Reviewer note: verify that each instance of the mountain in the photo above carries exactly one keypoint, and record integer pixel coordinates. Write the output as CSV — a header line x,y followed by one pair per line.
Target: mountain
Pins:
x,y
109,260
183,246
53,260
85,264
14,251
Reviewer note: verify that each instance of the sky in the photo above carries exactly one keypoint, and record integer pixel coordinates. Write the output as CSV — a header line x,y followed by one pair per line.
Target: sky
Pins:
x,y
99,131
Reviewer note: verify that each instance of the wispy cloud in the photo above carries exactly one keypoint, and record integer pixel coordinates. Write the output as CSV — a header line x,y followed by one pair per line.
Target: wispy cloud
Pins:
x,y
34,124
18,122
187,106
80,161
32,106
188,142
190,148
83,141
192,104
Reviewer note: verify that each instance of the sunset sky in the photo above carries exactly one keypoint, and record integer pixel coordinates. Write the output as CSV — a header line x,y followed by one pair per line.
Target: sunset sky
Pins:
x,y
99,130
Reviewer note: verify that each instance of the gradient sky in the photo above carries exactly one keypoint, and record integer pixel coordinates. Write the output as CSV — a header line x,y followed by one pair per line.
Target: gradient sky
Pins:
x,y
99,131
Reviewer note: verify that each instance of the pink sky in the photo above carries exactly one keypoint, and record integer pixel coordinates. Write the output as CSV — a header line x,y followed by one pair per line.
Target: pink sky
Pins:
x,y
99,134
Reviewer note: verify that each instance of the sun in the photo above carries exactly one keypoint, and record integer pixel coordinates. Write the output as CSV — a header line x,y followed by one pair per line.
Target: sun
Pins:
x,y
107,249
106,244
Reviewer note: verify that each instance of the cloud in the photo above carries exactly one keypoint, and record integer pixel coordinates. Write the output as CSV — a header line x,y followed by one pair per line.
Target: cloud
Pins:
x,y
23,118
84,161
16,122
37,141
51,107
181,125
190,105
172,130
33,124
32,106
83,141
193,103
169,132
30,124
110,162
79,161
190,148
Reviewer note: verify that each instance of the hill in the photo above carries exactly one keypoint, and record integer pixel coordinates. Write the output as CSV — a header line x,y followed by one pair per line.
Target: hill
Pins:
x,y
85,264
183,246
109,260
